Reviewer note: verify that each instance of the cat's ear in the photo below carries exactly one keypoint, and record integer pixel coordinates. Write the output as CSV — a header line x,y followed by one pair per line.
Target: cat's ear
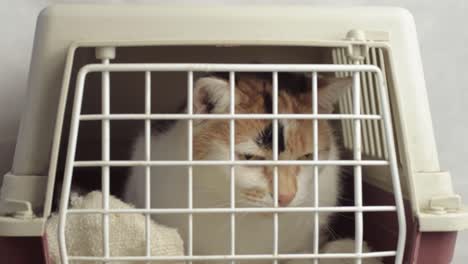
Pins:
x,y
211,95
330,90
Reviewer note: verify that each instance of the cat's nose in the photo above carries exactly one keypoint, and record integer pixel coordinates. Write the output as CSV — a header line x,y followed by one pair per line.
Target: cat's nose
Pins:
x,y
285,198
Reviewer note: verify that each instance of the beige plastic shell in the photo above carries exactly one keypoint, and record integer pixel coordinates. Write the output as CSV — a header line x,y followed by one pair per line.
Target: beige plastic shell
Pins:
x,y
61,29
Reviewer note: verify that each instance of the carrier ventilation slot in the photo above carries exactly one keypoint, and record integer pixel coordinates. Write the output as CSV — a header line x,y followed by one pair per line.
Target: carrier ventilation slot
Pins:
x,y
373,136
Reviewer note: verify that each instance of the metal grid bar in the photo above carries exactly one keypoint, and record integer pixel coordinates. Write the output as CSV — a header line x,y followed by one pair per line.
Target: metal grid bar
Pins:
x,y
190,158
232,129
78,98
275,168
356,118
135,163
390,152
94,117
148,158
359,225
240,257
105,156
316,158
187,67
337,209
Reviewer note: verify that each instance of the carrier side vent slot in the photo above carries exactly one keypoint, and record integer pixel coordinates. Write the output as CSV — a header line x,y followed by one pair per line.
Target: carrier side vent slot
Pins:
x,y
373,137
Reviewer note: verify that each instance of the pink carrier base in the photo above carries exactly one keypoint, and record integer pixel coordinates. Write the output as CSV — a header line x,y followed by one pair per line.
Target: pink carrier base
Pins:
x,y
433,247
24,250
421,247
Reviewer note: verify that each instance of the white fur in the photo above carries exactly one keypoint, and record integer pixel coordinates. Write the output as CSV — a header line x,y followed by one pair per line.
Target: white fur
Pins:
x,y
211,188
254,232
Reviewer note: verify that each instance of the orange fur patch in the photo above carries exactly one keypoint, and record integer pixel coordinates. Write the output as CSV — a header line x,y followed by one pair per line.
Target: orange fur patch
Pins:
x,y
250,99
251,94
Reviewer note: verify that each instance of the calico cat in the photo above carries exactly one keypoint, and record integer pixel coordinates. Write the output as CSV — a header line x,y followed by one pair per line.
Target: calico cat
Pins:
x,y
253,184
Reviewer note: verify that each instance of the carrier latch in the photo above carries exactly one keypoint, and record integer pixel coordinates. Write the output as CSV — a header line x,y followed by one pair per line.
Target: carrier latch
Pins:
x,y
444,204
16,208
21,195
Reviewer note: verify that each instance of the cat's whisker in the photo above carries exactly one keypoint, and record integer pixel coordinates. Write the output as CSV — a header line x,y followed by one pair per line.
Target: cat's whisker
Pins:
x,y
332,232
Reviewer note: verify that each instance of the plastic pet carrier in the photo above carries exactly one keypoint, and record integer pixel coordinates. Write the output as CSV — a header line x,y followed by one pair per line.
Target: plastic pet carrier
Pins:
x,y
101,75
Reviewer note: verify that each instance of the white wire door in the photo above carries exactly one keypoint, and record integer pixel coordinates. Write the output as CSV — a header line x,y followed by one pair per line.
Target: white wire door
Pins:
x,y
357,117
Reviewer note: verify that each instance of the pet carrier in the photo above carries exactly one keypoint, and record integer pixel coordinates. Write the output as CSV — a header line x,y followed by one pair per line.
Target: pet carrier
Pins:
x,y
100,74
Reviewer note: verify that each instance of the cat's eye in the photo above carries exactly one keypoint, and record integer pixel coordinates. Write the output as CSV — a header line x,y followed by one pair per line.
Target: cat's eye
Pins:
x,y
309,156
250,157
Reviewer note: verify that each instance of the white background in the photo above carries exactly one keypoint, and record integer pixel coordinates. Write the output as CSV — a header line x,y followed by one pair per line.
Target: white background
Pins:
x,y
443,36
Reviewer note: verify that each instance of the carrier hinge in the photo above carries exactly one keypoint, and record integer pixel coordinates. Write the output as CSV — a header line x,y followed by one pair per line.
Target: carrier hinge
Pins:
x,y
359,47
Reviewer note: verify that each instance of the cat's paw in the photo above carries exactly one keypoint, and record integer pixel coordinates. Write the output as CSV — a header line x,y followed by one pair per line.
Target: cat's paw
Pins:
x,y
346,246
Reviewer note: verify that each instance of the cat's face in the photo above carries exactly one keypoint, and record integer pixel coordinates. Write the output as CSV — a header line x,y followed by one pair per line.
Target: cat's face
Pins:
x,y
254,137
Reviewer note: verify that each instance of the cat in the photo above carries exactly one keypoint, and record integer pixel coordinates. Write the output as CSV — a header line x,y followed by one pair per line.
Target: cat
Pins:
x,y
253,184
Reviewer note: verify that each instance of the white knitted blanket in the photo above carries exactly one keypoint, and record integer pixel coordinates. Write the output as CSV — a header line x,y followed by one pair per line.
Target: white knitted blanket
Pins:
x,y
126,232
